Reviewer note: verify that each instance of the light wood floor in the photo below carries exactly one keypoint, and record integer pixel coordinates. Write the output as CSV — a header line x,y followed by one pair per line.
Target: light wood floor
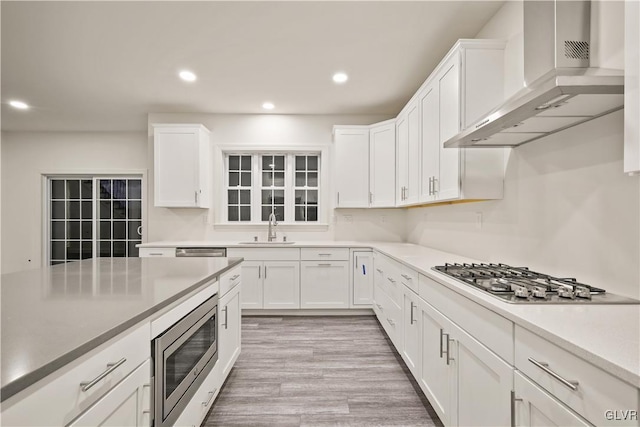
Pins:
x,y
319,371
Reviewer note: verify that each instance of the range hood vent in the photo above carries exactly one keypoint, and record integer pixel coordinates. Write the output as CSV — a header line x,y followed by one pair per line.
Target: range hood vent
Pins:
x,y
561,89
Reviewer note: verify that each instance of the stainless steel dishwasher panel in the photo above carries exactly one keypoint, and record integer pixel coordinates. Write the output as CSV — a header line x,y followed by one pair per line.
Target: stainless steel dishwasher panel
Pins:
x,y
201,252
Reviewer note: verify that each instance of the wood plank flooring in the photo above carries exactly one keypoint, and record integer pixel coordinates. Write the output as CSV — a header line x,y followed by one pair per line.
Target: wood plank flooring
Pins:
x,y
319,371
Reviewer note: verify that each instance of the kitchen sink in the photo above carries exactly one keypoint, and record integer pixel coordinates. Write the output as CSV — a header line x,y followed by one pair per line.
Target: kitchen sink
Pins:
x,y
266,243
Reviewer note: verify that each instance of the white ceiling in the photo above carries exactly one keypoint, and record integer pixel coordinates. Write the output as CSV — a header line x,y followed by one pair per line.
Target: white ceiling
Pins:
x,y
105,65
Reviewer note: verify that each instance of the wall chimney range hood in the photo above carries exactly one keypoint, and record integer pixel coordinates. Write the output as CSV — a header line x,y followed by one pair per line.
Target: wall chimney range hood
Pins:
x,y
561,89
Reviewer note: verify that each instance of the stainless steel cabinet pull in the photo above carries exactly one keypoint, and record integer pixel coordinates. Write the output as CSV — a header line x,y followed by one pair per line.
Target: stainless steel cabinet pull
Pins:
x,y
234,277
514,399
430,185
259,274
86,385
406,277
370,197
435,182
324,254
379,271
211,394
324,265
379,307
441,349
196,197
573,385
449,358
338,202
391,322
225,316
411,315
155,254
265,271
391,280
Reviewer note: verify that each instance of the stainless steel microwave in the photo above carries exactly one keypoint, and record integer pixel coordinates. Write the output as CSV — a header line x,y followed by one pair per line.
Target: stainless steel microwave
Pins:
x,y
183,356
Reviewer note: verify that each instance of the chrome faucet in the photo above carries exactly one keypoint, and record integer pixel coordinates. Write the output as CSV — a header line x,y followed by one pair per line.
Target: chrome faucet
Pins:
x,y
272,227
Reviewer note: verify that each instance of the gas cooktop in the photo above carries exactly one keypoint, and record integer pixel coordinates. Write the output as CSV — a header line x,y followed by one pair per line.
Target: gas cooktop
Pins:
x,y
521,285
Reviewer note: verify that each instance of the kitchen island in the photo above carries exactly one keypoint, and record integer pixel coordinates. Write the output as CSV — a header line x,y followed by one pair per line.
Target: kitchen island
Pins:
x,y
56,317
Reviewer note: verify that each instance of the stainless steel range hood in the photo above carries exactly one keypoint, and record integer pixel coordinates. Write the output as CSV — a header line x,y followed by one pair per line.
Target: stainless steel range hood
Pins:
x,y
561,89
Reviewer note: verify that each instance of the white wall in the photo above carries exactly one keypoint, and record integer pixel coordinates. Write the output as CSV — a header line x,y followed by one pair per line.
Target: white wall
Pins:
x,y
27,156
568,209
269,130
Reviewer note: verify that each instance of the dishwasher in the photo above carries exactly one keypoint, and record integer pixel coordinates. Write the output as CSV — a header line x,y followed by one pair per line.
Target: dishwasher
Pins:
x,y
201,252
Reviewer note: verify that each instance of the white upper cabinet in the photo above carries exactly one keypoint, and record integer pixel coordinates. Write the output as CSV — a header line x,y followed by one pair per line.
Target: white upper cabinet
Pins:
x,y
408,165
466,84
351,166
382,164
182,166
402,162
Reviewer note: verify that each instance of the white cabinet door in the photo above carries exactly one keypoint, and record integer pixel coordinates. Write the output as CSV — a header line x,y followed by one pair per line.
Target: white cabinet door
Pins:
x,y
412,342
362,278
402,162
435,378
482,383
413,164
448,185
252,289
351,163
229,330
430,111
534,407
181,166
382,165
126,405
324,284
281,284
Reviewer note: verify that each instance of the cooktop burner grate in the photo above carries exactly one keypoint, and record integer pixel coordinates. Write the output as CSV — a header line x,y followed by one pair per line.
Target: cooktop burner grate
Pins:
x,y
522,285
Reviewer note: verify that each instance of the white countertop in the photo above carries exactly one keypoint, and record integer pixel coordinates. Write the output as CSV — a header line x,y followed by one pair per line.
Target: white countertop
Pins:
x,y
53,315
607,336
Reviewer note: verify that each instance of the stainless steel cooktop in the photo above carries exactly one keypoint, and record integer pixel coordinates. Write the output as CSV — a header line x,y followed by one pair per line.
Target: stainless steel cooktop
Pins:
x,y
521,285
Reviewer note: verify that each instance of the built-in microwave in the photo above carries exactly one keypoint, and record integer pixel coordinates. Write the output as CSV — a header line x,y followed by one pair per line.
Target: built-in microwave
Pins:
x,y
183,356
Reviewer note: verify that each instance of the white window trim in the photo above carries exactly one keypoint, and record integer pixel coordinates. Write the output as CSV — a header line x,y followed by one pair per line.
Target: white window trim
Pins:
x,y
220,210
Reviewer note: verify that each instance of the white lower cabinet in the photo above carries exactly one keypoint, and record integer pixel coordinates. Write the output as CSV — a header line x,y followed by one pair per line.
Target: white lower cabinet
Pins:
x,y
466,383
324,284
411,327
362,279
127,404
534,407
281,283
229,329
59,399
197,408
270,284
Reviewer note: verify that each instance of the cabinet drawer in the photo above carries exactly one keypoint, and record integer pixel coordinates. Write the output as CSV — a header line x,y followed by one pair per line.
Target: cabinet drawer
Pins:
x,y
389,315
491,329
58,398
323,254
265,254
197,408
596,391
157,252
229,280
409,278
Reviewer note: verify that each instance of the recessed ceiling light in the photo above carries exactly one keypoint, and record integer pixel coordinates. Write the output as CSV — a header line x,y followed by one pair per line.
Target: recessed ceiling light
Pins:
x,y
268,106
340,77
19,105
187,76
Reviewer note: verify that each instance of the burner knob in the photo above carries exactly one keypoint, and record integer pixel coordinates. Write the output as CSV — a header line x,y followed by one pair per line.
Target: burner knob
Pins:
x,y
566,292
520,291
583,292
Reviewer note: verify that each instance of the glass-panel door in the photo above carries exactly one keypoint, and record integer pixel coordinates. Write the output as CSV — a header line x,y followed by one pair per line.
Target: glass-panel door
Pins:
x,y
93,216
